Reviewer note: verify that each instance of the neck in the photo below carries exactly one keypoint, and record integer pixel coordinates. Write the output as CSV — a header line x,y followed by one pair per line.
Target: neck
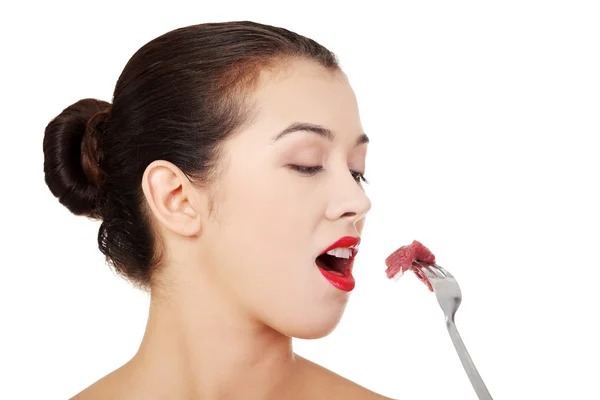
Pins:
x,y
197,343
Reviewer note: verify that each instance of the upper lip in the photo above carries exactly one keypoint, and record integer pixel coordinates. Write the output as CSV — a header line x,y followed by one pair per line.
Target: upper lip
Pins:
x,y
344,242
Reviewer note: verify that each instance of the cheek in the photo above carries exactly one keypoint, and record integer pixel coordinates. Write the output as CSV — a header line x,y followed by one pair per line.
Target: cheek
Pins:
x,y
273,206
265,247
263,226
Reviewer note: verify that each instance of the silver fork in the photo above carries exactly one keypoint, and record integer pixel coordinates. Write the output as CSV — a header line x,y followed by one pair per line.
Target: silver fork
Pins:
x,y
449,296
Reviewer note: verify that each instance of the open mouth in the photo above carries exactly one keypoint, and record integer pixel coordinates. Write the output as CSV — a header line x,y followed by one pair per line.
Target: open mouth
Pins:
x,y
337,261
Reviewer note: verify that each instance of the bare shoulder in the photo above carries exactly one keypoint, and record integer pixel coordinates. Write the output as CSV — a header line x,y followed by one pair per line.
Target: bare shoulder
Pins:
x,y
312,382
327,384
98,390
111,386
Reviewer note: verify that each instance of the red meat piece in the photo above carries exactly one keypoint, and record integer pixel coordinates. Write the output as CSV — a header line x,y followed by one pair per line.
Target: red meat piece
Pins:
x,y
401,261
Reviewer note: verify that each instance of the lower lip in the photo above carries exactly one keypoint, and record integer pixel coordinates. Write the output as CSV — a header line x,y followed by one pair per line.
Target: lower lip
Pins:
x,y
343,282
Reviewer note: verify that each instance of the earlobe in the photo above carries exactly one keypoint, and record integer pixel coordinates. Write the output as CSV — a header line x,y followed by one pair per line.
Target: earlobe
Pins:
x,y
169,195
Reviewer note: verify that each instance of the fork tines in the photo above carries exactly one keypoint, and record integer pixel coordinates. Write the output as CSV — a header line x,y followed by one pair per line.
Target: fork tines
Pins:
x,y
433,268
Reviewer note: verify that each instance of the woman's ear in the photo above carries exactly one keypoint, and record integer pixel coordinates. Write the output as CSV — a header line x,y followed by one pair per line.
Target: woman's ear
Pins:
x,y
170,197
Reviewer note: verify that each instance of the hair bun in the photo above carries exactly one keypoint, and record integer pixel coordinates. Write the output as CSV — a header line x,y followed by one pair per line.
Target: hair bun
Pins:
x,y
72,156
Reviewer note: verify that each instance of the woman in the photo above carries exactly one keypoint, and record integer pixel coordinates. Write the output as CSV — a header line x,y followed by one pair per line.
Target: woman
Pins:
x,y
230,161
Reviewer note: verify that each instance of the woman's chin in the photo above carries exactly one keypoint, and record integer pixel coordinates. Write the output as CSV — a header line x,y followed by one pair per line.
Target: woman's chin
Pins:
x,y
313,326
313,334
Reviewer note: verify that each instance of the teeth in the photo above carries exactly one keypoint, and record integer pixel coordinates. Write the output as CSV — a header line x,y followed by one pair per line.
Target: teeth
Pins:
x,y
340,252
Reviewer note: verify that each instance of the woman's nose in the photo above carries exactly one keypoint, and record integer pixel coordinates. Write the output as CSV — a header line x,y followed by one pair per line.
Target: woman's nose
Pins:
x,y
348,200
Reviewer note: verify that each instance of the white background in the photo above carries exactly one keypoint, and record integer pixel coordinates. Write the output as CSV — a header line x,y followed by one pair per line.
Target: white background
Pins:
x,y
484,119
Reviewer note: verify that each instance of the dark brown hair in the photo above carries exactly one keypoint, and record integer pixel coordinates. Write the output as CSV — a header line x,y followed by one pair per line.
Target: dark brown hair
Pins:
x,y
178,98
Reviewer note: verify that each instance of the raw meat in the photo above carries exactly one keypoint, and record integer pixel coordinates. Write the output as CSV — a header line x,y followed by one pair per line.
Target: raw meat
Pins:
x,y
401,261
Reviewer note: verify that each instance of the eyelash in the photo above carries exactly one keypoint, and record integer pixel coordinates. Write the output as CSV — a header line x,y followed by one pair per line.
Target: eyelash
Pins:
x,y
311,171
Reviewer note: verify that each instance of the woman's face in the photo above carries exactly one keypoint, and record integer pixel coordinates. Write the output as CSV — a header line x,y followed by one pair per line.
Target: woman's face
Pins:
x,y
283,199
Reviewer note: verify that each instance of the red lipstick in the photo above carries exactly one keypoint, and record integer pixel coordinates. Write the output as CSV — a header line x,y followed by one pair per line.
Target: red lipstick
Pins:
x,y
338,271
346,241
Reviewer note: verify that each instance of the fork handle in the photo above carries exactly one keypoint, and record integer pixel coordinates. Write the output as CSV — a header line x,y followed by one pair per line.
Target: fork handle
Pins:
x,y
467,363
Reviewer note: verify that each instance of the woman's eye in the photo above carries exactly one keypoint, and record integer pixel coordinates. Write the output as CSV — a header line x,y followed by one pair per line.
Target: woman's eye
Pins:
x,y
359,177
312,170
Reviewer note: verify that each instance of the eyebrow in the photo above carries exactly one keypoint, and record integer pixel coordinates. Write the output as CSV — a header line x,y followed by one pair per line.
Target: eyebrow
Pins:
x,y
317,129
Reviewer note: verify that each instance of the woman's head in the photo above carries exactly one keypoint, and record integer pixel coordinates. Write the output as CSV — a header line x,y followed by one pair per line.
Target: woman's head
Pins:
x,y
193,180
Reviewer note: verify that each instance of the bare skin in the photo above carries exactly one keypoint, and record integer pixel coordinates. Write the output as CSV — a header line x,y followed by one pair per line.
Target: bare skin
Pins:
x,y
309,381
239,280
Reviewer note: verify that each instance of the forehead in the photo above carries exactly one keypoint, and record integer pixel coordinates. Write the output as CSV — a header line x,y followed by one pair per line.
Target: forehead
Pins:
x,y
304,91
